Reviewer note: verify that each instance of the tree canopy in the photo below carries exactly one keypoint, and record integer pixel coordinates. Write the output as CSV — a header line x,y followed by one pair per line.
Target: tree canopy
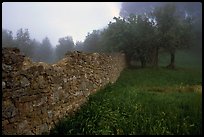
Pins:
x,y
65,44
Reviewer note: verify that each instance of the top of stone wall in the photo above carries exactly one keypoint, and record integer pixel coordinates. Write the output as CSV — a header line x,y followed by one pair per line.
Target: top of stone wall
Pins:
x,y
12,58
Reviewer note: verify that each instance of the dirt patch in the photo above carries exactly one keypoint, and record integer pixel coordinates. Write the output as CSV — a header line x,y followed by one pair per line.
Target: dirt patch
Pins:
x,y
187,88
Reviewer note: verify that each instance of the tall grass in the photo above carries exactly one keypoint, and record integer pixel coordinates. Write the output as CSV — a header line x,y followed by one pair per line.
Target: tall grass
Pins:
x,y
136,105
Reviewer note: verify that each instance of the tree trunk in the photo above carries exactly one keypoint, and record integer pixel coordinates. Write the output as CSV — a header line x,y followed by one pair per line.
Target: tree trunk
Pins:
x,y
128,60
156,57
172,63
143,62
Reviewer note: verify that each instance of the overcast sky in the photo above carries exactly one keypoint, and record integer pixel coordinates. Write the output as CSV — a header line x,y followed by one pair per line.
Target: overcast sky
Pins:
x,y
56,20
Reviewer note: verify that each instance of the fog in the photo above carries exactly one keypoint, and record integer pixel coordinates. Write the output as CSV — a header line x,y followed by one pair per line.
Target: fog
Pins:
x,y
58,19
46,31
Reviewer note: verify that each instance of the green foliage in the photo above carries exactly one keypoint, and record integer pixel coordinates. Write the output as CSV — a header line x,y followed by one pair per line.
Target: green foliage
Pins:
x,y
93,42
23,42
115,36
144,39
141,36
65,44
7,38
133,36
45,51
30,47
23,37
174,30
79,46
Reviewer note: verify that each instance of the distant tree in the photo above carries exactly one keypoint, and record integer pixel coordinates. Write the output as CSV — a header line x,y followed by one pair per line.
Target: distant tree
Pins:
x,y
143,38
23,42
93,41
7,38
194,12
180,21
134,36
45,51
138,8
65,44
115,36
174,32
181,15
79,46
36,50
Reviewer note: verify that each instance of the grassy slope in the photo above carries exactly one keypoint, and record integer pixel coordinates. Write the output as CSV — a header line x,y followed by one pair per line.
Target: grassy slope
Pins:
x,y
131,105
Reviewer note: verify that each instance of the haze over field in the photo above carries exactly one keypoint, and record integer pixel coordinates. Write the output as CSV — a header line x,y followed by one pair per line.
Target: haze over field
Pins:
x,y
58,19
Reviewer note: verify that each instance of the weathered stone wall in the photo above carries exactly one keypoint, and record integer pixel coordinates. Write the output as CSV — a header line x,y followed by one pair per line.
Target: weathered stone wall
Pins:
x,y
36,95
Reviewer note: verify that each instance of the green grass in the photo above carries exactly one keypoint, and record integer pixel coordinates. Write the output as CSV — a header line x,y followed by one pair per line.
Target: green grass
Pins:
x,y
134,106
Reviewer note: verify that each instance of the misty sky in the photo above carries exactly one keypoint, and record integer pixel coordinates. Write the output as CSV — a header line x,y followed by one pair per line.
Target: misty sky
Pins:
x,y
56,20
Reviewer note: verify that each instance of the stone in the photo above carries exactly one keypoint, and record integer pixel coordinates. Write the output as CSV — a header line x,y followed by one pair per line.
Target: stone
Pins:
x,y
64,80
13,119
56,96
79,93
3,84
27,132
7,94
43,128
8,109
22,108
41,82
26,98
22,125
59,88
36,120
5,122
49,113
39,102
25,82
9,129
7,67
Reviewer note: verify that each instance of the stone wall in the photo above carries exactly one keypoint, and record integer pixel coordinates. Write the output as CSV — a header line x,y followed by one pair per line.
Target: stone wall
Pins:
x,y
35,95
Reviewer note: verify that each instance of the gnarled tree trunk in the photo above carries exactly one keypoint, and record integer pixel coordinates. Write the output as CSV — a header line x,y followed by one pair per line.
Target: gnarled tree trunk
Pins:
x,y
172,63
128,60
156,57
143,62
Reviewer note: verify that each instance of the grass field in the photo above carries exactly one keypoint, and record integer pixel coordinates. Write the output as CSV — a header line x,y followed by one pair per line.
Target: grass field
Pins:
x,y
143,102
